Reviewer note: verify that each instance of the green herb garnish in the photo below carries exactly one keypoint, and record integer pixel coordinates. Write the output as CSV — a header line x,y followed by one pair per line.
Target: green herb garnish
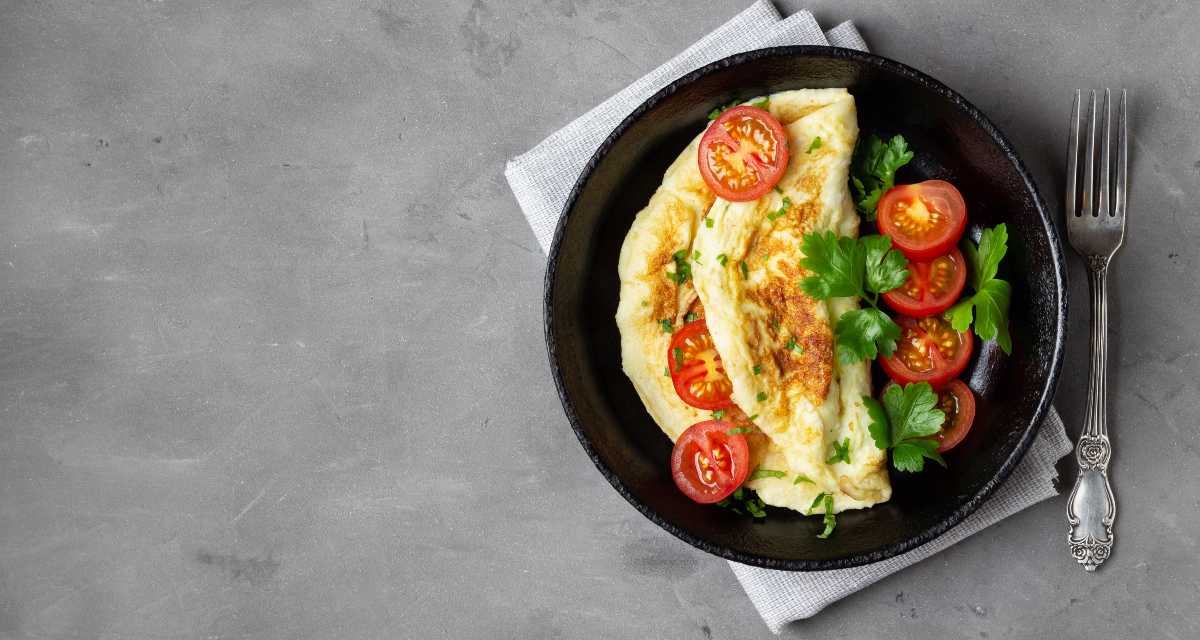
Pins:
x,y
736,430
766,473
800,477
873,170
781,211
762,396
992,295
757,369
816,144
723,259
678,353
708,222
690,317
683,270
667,325
841,452
745,269
904,423
793,346
718,414
844,267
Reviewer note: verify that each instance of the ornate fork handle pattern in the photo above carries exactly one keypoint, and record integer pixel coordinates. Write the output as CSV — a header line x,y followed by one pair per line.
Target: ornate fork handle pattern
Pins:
x,y
1092,506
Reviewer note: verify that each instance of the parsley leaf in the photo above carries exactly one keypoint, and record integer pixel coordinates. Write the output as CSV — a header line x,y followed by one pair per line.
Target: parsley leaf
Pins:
x,y
841,451
837,265
910,455
848,267
886,267
878,428
683,270
912,411
905,422
816,144
989,305
861,334
873,170
766,473
666,325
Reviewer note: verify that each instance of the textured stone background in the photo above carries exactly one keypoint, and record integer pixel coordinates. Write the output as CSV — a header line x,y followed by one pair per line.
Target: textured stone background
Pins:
x,y
271,363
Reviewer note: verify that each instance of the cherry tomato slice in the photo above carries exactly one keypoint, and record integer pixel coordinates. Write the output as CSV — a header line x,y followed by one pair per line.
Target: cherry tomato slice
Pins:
x,y
696,369
708,463
925,220
931,288
958,403
929,350
743,154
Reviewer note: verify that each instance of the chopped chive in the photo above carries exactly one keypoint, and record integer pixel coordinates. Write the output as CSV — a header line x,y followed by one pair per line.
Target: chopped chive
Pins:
x,y
708,222
762,396
766,473
696,256
718,414
830,519
817,501
722,259
778,190
793,346
666,325
816,144
757,369
745,270
666,372
690,317
753,418
678,353
736,430
800,477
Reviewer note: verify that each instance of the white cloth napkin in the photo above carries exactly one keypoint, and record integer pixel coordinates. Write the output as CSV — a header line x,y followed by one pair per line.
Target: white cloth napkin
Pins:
x,y
542,178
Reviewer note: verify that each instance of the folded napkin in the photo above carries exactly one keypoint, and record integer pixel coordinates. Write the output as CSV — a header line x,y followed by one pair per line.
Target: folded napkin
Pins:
x,y
542,178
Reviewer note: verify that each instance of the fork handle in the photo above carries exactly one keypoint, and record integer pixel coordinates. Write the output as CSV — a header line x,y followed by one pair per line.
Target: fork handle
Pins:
x,y
1092,507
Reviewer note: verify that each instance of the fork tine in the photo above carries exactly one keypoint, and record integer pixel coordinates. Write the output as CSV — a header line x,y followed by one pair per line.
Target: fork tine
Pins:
x,y
1122,161
1072,195
1102,205
1089,161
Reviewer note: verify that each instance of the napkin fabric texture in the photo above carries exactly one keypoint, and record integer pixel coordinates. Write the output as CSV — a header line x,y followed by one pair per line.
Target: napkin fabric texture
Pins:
x,y
542,178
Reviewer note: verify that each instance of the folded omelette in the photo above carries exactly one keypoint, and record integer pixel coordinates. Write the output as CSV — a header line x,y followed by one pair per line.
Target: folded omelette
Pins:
x,y
741,274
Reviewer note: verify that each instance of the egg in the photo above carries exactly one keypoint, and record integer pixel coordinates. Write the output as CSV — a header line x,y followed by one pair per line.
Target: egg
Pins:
x,y
775,343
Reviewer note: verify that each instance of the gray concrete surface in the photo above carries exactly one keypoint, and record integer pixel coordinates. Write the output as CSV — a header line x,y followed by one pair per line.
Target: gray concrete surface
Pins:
x,y
271,363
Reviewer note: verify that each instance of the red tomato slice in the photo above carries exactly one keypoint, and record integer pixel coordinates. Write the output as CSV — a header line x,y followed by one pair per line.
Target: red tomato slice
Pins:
x,y
929,350
743,154
958,403
696,368
925,220
708,463
932,287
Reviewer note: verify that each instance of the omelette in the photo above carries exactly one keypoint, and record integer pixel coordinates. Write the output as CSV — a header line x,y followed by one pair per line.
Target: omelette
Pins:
x,y
689,254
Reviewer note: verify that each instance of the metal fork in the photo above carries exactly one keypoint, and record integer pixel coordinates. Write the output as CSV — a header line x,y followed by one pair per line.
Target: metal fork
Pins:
x,y
1096,229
